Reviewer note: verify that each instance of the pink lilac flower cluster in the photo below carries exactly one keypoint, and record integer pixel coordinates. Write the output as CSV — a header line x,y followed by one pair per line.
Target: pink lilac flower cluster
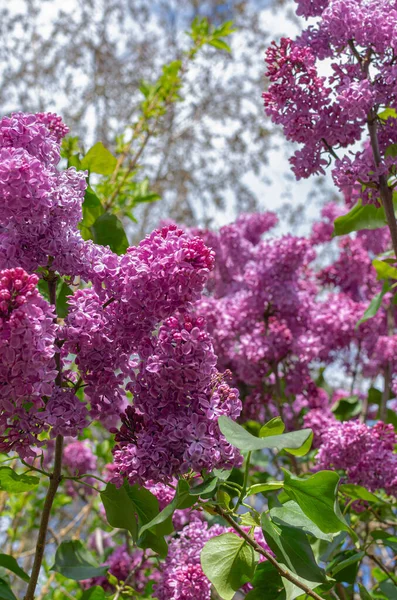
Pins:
x,y
182,577
109,336
27,365
123,564
277,315
326,114
260,314
79,459
40,206
105,326
366,454
178,397
65,413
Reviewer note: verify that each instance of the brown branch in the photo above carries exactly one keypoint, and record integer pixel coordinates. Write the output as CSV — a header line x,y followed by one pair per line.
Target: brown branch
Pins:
x,y
386,193
55,479
55,476
382,567
283,572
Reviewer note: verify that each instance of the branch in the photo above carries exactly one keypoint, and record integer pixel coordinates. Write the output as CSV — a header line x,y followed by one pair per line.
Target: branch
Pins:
x,y
386,193
55,479
283,572
382,567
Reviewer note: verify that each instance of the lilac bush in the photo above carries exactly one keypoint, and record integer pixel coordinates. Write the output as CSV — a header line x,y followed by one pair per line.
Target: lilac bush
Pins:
x,y
207,414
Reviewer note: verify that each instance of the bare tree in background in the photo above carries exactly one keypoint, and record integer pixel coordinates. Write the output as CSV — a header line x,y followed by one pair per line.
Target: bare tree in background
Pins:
x,y
86,60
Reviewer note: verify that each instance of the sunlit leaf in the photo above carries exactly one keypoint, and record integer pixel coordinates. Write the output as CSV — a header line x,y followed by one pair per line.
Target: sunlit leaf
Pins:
x,y
229,562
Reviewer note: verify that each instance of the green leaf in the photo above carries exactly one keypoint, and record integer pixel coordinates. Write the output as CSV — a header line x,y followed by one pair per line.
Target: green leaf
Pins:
x,y
225,29
222,474
346,562
387,114
151,197
273,427
364,595
9,562
240,438
228,562
99,160
74,161
181,500
13,483
384,270
374,396
391,150
293,591
292,549
5,591
292,515
109,231
304,449
220,44
345,565
269,486
389,590
147,508
249,520
63,291
374,305
267,583
74,561
358,492
346,408
391,417
385,538
119,508
92,210
317,497
207,487
360,217
94,593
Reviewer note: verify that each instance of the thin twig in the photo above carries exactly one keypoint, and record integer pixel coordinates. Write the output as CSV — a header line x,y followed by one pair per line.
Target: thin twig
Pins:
x,y
382,567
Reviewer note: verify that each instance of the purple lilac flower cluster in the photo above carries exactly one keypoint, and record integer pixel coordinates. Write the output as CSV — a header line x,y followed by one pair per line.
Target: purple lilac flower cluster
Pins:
x,y
327,114
123,564
178,396
79,459
109,337
282,316
366,454
182,577
27,365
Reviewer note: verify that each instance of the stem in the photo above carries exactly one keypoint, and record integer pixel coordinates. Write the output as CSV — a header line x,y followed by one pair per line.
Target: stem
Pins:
x,y
341,591
388,368
382,566
356,367
283,572
245,481
386,193
56,476
385,394
55,479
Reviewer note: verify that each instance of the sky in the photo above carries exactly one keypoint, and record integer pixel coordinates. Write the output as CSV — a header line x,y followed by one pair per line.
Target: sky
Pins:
x,y
278,186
